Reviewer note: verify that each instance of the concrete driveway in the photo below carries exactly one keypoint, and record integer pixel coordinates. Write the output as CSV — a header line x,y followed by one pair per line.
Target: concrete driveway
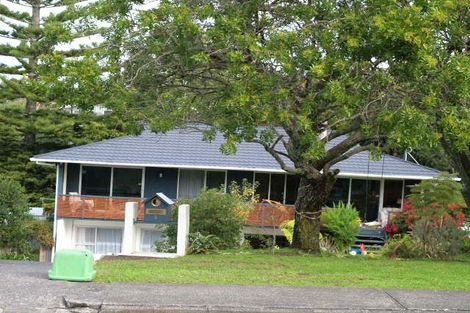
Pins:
x,y
24,287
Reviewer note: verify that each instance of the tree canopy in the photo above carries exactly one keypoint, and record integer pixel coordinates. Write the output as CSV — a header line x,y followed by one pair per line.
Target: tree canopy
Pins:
x,y
293,76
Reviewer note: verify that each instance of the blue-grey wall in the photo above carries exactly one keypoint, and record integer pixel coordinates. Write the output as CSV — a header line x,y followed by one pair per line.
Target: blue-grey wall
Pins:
x,y
166,184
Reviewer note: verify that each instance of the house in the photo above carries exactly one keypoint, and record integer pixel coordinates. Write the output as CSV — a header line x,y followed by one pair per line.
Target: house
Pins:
x,y
95,181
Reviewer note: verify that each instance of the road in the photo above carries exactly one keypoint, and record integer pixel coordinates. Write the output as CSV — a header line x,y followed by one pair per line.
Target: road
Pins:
x,y
25,288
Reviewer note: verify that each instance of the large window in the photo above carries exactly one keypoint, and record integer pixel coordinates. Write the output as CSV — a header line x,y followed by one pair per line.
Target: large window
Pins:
x,y
215,179
96,181
292,185
277,187
393,190
238,177
365,196
340,191
73,178
191,183
262,179
127,182
99,240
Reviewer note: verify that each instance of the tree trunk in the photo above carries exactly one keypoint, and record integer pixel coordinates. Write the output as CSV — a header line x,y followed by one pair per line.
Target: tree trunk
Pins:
x,y
311,196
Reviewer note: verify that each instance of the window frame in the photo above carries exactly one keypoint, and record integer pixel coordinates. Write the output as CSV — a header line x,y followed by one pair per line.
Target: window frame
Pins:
x,y
110,194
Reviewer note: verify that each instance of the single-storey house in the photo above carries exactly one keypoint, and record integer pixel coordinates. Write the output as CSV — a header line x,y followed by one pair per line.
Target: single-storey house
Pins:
x,y
95,181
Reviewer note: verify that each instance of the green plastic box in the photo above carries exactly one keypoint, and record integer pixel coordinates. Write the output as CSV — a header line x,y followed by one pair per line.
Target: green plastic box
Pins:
x,y
73,265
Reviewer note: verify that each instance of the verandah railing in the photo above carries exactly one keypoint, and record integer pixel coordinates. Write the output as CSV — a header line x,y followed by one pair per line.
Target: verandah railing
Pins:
x,y
96,207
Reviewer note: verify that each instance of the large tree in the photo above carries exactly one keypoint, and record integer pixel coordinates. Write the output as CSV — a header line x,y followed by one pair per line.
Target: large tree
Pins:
x,y
439,85
293,76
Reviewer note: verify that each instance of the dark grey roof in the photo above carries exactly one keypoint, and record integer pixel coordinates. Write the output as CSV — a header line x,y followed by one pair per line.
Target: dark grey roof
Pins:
x,y
186,149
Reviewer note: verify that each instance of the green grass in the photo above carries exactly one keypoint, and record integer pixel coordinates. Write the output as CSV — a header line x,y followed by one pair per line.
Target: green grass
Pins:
x,y
289,268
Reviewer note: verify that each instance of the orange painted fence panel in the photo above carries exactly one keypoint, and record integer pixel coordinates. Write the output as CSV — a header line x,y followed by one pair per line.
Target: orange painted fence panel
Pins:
x,y
270,215
96,207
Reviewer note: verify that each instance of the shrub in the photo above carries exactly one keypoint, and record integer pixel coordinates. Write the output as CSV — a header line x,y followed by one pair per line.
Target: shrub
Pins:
x,y
433,216
13,216
343,221
401,246
41,232
216,213
165,246
287,228
438,237
202,244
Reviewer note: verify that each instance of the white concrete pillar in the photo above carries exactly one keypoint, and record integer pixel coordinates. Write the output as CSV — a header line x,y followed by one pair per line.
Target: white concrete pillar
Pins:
x,y
61,241
128,233
182,240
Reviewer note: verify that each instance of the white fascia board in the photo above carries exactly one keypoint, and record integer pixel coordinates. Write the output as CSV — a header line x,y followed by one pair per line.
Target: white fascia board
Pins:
x,y
224,168
376,176
221,168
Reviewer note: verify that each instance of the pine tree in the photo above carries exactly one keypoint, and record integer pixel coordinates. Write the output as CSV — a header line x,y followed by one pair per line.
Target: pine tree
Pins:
x,y
33,40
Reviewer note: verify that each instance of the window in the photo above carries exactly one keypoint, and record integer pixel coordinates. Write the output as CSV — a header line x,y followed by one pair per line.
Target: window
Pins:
x,y
99,240
277,187
365,196
73,178
127,182
292,186
190,183
409,184
340,192
149,237
215,179
263,185
238,177
392,193
96,180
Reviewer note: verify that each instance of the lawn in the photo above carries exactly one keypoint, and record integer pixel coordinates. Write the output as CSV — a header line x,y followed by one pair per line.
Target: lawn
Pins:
x,y
289,268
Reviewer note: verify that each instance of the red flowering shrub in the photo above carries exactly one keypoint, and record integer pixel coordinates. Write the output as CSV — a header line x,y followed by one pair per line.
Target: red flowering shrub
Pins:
x,y
434,216
437,199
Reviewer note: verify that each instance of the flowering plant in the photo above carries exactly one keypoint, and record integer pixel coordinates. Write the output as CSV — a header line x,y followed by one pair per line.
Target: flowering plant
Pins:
x,y
438,200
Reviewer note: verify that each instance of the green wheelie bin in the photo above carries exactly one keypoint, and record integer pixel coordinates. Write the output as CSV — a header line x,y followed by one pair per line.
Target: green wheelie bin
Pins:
x,y
73,265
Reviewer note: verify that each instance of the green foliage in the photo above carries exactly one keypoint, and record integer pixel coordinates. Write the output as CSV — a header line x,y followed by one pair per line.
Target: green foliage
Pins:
x,y
41,71
41,231
440,238
165,246
436,198
352,69
14,216
343,221
431,238
287,228
258,241
443,190
216,213
401,247
202,244
434,217
54,130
